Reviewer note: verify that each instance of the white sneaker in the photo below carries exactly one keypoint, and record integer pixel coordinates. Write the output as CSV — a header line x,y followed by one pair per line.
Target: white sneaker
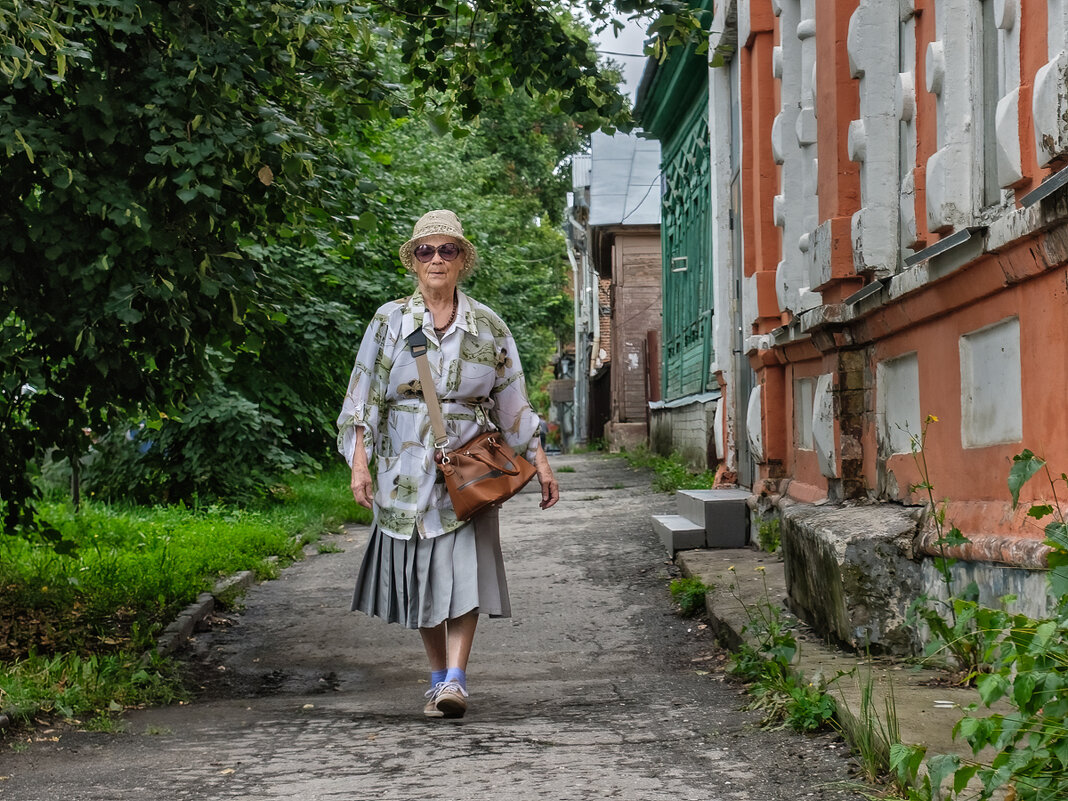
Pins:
x,y
450,699
431,709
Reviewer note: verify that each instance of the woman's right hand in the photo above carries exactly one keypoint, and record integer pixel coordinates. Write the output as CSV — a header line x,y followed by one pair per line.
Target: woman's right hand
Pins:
x,y
361,485
362,489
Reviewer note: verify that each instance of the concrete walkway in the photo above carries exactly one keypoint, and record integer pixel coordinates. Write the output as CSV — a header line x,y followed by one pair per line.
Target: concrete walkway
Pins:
x,y
594,689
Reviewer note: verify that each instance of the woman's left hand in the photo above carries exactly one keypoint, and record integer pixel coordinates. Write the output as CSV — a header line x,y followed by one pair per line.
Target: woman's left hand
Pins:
x,y
550,490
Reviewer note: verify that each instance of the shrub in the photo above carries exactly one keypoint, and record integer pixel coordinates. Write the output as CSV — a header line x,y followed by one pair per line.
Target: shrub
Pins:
x,y
224,447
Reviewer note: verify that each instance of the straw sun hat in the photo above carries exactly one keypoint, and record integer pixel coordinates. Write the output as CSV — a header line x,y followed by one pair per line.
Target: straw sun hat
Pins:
x,y
440,222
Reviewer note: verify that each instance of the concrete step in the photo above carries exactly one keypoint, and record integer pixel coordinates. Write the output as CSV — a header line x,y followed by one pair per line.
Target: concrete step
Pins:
x,y
722,513
678,533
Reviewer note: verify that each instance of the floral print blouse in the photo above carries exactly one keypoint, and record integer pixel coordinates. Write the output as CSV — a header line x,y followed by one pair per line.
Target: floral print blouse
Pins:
x,y
479,383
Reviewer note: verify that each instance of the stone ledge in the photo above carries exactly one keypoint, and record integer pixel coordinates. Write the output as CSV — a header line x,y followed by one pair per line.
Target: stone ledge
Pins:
x,y
850,572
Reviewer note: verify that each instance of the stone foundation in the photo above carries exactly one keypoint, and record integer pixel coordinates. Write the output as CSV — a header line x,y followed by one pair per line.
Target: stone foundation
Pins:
x,y
850,572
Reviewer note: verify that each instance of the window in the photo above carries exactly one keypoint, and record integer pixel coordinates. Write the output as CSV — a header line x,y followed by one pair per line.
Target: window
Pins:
x,y
991,398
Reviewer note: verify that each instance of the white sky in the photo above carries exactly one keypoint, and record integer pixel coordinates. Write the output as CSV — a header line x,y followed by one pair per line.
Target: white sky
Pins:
x,y
630,41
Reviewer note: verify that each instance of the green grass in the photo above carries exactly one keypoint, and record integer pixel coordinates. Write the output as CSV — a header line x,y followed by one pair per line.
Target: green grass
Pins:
x,y
671,473
565,469
73,628
689,594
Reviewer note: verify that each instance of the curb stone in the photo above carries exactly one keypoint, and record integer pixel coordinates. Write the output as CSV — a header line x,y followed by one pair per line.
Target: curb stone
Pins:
x,y
182,627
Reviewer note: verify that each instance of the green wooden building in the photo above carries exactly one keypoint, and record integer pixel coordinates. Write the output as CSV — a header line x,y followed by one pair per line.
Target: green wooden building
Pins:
x,y
672,106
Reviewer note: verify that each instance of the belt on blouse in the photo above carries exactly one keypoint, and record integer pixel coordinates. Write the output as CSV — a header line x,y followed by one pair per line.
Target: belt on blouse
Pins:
x,y
478,412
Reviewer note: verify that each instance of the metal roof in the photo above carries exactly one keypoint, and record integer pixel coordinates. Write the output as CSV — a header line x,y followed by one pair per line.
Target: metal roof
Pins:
x,y
624,180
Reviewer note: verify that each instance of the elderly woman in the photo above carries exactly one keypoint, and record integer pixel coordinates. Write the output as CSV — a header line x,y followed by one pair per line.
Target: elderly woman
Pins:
x,y
423,567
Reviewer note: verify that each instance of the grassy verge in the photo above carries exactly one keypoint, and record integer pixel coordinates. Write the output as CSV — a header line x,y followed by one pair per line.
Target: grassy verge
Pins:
x,y
671,473
73,628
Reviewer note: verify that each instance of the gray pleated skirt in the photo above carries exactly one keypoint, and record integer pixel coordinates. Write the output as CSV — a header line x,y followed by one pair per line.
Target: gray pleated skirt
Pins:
x,y
420,583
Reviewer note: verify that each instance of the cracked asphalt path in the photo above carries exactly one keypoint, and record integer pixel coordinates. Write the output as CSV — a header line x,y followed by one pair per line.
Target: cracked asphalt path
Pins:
x,y
594,689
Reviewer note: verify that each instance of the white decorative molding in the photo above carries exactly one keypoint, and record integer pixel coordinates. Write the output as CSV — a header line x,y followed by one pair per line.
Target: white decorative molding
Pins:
x,y
1049,108
940,167
806,28
905,97
778,211
1007,127
750,310
717,430
1005,14
818,255
856,141
809,299
754,425
744,22
806,127
907,207
782,286
935,72
812,89
873,139
823,426
777,149
776,62
855,44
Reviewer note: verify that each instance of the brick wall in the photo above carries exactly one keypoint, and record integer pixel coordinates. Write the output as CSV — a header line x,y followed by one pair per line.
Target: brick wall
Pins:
x,y
688,429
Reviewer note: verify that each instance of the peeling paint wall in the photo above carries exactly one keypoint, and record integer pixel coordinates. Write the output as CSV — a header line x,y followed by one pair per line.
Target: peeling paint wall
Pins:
x,y
910,279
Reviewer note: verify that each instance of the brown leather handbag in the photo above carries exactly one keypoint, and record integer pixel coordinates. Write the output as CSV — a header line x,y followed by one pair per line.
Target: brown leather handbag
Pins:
x,y
483,471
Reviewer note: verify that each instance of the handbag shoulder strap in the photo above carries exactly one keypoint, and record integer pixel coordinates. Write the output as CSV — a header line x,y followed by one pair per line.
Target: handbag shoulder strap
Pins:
x,y
417,344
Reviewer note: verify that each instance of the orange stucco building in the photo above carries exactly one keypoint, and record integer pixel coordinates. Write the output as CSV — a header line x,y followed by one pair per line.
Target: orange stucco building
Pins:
x,y
889,227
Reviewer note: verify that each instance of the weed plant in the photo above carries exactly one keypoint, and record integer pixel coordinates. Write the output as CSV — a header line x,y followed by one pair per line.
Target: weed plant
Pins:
x,y
872,734
671,473
689,595
73,628
782,696
768,535
962,631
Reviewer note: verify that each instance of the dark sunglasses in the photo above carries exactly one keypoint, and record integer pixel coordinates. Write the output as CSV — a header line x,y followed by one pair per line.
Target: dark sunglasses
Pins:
x,y
425,253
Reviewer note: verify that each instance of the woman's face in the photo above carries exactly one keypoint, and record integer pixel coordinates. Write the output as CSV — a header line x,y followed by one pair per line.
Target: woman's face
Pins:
x,y
439,274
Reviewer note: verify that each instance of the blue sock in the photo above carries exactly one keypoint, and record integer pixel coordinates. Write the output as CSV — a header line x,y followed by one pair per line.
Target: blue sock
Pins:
x,y
458,675
437,677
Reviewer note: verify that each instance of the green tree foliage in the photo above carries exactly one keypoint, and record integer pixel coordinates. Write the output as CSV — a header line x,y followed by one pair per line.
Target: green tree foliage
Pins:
x,y
204,198
141,143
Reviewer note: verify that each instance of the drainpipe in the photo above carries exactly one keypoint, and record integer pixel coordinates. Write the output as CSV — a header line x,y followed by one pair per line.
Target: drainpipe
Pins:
x,y
595,321
581,391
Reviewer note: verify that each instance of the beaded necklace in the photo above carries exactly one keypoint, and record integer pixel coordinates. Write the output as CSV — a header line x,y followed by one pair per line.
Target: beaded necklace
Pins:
x,y
452,317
